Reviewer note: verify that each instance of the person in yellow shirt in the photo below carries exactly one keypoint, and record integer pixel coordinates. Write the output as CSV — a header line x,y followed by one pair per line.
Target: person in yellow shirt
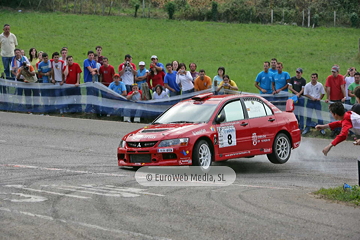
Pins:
x,y
202,82
227,84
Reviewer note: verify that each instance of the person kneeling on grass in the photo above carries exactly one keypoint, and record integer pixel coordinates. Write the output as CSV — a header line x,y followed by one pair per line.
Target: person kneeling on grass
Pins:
x,y
345,120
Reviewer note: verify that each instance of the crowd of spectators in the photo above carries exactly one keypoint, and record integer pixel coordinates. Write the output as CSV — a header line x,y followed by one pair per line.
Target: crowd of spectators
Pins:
x,y
161,81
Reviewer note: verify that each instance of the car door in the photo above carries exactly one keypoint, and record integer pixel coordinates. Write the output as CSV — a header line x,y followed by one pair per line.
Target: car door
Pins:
x,y
263,124
232,131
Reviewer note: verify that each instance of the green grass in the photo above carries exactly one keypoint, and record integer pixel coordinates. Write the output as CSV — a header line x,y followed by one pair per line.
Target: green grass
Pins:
x,y
339,194
240,48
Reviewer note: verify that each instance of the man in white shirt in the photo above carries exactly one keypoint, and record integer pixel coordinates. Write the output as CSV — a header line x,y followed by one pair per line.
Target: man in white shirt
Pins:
x,y
314,91
8,42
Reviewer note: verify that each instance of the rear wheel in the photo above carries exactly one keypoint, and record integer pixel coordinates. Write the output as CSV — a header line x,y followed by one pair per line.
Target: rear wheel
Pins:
x,y
202,154
281,149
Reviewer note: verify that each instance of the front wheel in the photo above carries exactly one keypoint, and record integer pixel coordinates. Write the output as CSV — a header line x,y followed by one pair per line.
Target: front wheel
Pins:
x,y
202,154
281,149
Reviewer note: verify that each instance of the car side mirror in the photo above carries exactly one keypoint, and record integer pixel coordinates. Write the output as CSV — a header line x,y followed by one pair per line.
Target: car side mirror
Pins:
x,y
289,105
220,118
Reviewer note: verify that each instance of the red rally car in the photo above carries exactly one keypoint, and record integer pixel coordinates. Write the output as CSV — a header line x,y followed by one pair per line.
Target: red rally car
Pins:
x,y
209,128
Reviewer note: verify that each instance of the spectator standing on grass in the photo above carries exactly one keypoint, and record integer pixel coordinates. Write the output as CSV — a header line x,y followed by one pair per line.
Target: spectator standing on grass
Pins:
x,y
349,79
141,74
99,54
264,79
219,77
280,79
134,95
155,61
351,89
57,66
159,92
296,86
8,42
155,77
127,72
106,72
273,64
64,53
175,65
17,61
193,72
27,73
45,71
184,79
71,76
335,91
33,57
202,82
170,81
90,71
227,84
314,91
40,60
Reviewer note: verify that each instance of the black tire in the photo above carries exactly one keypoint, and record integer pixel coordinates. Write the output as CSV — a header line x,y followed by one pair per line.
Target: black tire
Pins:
x,y
202,155
281,149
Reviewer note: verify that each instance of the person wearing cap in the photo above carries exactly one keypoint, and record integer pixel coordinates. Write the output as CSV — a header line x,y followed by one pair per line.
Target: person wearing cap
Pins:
x,y
296,86
118,86
263,80
170,80
155,61
141,74
107,72
127,72
335,86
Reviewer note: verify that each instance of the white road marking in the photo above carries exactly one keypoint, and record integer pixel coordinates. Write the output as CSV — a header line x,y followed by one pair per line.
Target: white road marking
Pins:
x,y
254,186
26,198
136,234
65,170
43,191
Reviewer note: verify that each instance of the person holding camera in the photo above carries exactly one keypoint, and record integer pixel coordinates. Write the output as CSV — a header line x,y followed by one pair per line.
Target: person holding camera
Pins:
x,y
27,73
184,79
131,113
127,72
227,84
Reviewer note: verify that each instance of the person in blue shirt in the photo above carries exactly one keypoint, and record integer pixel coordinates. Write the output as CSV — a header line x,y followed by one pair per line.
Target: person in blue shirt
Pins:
x,y
118,86
170,81
90,72
280,79
263,80
141,74
159,65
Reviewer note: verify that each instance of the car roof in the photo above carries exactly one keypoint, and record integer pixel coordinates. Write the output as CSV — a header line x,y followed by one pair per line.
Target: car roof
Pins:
x,y
220,98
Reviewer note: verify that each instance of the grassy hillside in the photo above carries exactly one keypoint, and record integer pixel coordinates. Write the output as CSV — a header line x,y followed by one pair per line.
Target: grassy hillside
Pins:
x,y
240,48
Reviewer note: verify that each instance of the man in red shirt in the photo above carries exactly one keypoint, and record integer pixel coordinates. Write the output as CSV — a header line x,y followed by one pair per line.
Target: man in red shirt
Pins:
x,y
72,73
335,86
106,72
345,120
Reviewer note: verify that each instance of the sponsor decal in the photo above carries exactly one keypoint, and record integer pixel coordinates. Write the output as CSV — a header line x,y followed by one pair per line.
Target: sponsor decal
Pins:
x,y
187,161
227,136
199,132
267,150
212,128
235,154
258,138
185,152
144,136
165,150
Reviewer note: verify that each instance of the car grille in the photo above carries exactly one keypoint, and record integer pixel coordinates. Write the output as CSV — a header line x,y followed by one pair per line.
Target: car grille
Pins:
x,y
140,158
141,144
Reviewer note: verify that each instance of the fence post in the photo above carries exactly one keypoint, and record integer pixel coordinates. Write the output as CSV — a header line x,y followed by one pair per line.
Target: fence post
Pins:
x,y
359,44
309,17
272,16
334,18
303,13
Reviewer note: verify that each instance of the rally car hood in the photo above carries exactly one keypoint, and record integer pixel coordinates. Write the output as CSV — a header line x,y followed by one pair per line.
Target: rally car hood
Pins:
x,y
166,131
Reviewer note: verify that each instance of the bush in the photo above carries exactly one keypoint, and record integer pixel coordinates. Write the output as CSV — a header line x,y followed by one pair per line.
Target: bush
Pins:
x,y
354,19
170,8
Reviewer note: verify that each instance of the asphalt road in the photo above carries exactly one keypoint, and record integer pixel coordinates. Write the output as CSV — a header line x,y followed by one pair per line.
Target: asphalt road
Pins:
x,y
59,179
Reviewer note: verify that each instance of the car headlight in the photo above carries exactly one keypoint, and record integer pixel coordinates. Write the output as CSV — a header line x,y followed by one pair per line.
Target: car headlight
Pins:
x,y
174,142
122,144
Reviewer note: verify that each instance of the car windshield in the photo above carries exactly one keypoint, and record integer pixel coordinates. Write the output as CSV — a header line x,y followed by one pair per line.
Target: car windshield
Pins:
x,y
187,112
